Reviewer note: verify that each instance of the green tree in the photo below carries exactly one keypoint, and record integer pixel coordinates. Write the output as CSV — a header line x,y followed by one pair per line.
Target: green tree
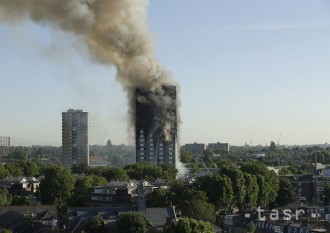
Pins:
x,y
284,171
133,222
20,200
95,225
272,147
159,198
251,227
218,189
81,188
263,195
238,183
199,209
326,195
14,169
188,225
29,168
57,186
185,156
3,172
113,173
2,230
252,190
81,169
270,180
5,198
286,193
149,171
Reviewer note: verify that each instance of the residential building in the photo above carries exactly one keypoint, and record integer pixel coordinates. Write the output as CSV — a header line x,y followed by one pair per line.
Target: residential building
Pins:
x,y
33,219
158,217
218,147
156,125
4,146
195,148
75,137
118,193
20,185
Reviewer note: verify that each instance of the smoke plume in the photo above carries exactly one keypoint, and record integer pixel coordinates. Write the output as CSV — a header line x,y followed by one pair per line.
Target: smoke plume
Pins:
x,y
115,32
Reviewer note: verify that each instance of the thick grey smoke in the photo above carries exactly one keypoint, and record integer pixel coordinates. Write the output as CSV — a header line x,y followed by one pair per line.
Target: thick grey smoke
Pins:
x,y
115,32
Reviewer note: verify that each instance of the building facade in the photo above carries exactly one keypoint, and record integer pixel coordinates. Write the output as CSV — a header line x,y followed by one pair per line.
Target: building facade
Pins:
x,y
75,137
195,148
156,125
218,147
4,146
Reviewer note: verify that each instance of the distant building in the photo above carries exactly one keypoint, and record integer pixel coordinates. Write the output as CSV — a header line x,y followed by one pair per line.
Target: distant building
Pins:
x,y
152,144
75,137
33,218
20,185
158,217
195,148
4,146
218,147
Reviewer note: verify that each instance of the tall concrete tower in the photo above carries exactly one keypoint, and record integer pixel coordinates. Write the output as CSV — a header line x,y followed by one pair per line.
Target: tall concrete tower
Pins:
x,y
75,137
156,125
4,146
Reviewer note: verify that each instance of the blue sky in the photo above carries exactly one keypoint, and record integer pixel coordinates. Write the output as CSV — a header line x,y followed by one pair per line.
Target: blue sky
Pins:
x,y
248,71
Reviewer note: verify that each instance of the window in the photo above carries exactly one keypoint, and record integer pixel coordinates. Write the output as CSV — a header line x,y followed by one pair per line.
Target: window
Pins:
x,y
320,189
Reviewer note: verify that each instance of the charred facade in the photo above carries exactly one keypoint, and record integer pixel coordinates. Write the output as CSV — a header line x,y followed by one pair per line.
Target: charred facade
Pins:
x,y
156,125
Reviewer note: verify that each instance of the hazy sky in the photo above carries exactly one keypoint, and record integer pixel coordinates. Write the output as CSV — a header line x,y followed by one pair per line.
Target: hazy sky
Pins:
x,y
248,71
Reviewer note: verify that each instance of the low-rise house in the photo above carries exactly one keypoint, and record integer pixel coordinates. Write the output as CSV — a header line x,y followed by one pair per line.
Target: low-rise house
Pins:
x,y
117,193
20,185
79,217
29,218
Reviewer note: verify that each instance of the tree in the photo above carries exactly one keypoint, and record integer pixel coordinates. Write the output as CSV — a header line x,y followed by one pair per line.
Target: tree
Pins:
x,y
199,209
133,222
326,195
263,195
2,230
218,189
3,172
57,186
20,200
251,227
113,173
272,147
238,183
95,225
252,190
286,193
159,198
81,186
270,181
149,171
5,198
185,156
284,171
188,225
14,169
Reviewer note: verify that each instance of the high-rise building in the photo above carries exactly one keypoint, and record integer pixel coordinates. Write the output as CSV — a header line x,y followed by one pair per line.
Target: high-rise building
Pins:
x,y
4,146
156,125
75,137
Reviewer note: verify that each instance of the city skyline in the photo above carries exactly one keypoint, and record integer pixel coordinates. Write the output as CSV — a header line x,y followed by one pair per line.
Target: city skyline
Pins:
x,y
248,72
